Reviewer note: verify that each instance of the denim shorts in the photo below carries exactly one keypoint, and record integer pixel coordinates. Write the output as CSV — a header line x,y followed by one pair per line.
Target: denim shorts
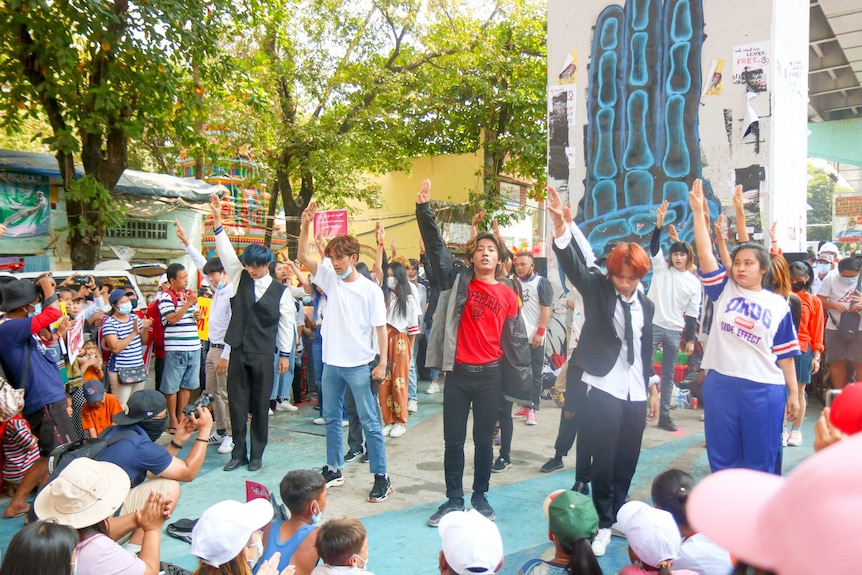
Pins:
x,y
182,370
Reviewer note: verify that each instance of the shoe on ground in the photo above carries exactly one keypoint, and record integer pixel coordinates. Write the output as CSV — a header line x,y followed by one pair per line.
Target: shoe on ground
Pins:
x,y
521,413
352,455
703,417
345,423
255,464
271,413
387,429
448,507
480,503
333,478
412,406
667,423
531,417
581,487
227,444
318,421
364,458
601,542
785,436
498,436
433,388
381,490
553,464
398,430
285,405
214,438
795,438
501,465
235,463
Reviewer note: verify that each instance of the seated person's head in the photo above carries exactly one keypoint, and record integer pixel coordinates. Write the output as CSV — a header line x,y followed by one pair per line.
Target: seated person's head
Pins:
x,y
652,534
41,548
804,523
670,492
147,409
89,350
343,542
573,522
227,537
471,544
303,492
94,393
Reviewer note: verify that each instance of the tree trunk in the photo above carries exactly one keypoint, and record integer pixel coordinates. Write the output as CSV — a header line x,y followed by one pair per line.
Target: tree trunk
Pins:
x,y
270,219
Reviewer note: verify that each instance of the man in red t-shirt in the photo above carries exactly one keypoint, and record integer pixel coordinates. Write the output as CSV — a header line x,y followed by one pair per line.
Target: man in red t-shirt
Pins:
x,y
158,332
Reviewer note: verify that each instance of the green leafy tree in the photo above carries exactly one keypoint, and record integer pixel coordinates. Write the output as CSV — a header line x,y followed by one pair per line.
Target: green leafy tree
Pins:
x,y
822,186
103,73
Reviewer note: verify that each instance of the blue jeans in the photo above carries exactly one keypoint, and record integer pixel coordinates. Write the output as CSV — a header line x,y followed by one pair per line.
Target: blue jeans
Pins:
x,y
412,378
182,370
335,381
317,359
670,350
282,384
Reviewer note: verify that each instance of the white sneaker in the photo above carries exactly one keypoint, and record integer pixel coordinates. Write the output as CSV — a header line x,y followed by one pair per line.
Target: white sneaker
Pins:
x,y
785,436
433,388
795,439
398,430
318,421
271,413
600,543
226,444
214,438
285,405
387,429
345,423
412,406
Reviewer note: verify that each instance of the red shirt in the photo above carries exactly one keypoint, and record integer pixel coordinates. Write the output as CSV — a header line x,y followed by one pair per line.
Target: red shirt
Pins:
x,y
158,335
487,308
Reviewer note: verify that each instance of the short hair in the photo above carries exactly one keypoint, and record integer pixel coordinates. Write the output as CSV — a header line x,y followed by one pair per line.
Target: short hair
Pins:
x,y
502,251
300,487
849,265
255,255
340,246
213,266
526,255
684,248
173,271
414,263
400,260
670,491
802,270
340,539
630,254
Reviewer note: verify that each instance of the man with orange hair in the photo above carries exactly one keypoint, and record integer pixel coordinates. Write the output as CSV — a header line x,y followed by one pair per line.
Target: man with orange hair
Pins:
x,y
614,352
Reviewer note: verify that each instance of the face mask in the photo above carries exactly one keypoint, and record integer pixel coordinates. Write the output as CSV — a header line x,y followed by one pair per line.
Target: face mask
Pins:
x,y
153,427
391,282
797,286
823,269
220,285
75,568
37,309
253,562
347,273
315,517
849,281
125,308
364,562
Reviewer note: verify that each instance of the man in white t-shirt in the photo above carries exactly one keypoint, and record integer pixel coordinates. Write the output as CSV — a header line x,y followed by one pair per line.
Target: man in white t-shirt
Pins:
x,y
838,292
355,318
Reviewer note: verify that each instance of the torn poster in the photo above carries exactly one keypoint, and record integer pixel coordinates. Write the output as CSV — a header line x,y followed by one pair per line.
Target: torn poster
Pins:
x,y
712,86
751,66
569,72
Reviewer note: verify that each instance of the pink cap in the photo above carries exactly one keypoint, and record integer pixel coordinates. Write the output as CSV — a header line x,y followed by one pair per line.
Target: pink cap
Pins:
x,y
807,522
846,411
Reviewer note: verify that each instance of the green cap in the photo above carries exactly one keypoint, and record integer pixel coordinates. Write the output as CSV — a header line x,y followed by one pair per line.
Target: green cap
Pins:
x,y
572,516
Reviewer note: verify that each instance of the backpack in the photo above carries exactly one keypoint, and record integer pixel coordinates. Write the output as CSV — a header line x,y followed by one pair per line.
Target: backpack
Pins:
x,y
91,447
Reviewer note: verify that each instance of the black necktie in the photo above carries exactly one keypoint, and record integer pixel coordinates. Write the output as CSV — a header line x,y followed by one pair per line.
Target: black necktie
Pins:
x,y
630,336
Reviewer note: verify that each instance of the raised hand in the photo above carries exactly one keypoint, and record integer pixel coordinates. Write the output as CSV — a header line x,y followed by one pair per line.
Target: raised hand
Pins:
x,y
660,214
215,210
554,206
773,232
424,195
695,199
181,232
478,218
308,214
380,232
738,203
719,228
567,213
671,233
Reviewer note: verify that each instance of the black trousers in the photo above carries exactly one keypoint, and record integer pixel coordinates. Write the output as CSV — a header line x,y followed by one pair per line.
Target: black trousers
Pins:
x,y
504,420
481,390
537,362
572,418
615,428
249,385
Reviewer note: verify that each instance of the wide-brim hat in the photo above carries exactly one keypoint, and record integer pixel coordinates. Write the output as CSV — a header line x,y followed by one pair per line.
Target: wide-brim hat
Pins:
x,y
17,293
85,493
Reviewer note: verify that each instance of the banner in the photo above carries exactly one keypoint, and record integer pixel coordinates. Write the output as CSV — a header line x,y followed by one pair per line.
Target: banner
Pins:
x,y
330,223
204,304
24,208
75,338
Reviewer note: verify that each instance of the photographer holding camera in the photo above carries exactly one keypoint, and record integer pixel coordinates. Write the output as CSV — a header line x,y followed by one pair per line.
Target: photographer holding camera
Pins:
x,y
31,306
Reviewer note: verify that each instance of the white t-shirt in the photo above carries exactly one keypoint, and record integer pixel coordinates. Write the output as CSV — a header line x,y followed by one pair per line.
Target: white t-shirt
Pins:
x,y
536,293
353,310
675,294
407,322
750,331
700,554
833,288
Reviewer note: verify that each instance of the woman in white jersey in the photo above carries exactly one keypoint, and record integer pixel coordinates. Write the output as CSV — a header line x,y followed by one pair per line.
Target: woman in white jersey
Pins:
x,y
749,356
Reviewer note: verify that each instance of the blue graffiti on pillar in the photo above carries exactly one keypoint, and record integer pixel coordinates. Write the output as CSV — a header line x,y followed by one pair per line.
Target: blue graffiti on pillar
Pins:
x,y
642,140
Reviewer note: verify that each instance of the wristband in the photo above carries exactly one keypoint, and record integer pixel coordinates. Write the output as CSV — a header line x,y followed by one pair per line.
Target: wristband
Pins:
x,y
175,444
202,440
381,244
50,300
540,331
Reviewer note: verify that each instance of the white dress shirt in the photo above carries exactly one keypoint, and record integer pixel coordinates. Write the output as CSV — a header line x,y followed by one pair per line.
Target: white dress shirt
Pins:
x,y
220,310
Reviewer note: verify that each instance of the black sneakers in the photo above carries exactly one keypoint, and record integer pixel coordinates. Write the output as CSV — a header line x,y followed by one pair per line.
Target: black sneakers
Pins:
x,y
501,465
352,455
553,464
332,478
480,504
381,490
667,423
448,507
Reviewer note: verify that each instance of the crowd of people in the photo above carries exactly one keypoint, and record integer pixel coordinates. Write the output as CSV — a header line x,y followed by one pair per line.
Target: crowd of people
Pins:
x,y
752,327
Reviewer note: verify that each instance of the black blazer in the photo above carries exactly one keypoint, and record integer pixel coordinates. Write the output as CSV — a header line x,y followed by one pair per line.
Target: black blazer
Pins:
x,y
599,345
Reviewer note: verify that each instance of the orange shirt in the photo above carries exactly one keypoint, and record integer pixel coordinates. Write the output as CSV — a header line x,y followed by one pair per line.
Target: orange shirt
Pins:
x,y
811,323
99,419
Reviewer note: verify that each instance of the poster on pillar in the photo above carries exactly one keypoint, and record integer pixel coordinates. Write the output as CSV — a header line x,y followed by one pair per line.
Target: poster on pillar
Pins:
x,y
24,208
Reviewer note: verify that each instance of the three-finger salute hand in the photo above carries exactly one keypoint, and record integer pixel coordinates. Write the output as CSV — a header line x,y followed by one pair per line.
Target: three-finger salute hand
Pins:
x,y
424,195
308,213
695,198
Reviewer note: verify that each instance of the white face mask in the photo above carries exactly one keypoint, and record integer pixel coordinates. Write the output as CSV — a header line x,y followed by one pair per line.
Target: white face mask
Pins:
x,y
259,545
125,308
315,517
391,282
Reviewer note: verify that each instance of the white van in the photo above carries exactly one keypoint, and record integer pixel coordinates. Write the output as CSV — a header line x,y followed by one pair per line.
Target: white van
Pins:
x,y
116,277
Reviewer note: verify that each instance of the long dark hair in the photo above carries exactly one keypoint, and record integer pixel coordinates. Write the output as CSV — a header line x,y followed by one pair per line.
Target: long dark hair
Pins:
x,y
40,548
670,491
582,560
401,290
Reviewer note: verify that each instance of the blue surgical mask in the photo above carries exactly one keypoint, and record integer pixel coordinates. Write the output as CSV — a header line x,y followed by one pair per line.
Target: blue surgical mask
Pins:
x,y
347,273
37,309
850,281
823,269
315,517
220,285
125,308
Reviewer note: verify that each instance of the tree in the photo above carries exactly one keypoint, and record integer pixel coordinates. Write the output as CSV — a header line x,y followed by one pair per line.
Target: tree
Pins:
x,y
822,186
101,73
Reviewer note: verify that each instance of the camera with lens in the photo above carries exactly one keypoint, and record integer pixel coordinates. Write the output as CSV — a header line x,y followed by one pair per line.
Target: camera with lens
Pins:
x,y
205,399
82,280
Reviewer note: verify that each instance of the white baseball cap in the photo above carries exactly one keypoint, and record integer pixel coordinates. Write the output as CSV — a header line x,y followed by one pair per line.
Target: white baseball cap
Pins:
x,y
652,533
828,248
163,279
471,543
225,529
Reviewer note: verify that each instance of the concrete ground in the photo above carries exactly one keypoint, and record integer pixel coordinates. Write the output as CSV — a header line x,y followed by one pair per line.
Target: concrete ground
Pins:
x,y
400,540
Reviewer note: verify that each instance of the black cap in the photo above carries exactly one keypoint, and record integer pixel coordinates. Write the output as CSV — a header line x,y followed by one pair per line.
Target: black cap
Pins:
x,y
17,293
144,404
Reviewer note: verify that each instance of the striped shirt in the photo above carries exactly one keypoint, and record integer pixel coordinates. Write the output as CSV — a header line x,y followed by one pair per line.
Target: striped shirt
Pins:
x,y
183,335
132,355
20,450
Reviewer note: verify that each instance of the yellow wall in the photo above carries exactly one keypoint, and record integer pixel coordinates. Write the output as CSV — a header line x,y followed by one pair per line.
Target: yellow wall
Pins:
x,y
453,178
